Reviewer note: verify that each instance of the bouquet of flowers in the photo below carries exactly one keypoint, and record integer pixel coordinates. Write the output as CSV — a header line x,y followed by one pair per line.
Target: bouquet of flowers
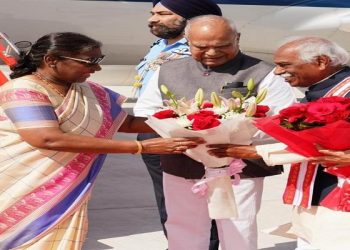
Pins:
x,y
219,120
302,127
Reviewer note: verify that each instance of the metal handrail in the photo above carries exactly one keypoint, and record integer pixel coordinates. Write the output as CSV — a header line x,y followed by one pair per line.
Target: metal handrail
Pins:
x,y
10,45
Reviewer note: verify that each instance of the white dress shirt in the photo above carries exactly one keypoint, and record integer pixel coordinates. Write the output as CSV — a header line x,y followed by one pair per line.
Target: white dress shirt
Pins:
x,y
279,95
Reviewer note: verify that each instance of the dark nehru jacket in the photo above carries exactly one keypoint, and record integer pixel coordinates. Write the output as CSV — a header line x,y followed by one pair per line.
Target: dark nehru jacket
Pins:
x,y
184,76
324,182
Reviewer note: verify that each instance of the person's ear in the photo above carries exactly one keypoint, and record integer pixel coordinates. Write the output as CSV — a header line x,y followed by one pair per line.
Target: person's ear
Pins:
x,y
323,62
50,61
235,40
238,37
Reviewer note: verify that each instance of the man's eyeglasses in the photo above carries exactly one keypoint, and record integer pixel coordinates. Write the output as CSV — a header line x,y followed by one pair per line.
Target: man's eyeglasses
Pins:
x,y
90,61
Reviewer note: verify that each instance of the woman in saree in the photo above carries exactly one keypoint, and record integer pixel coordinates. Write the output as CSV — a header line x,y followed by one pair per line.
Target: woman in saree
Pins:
x,y
55,131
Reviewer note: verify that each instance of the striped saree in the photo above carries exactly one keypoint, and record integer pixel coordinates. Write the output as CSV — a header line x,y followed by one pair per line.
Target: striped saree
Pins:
x,y
44,193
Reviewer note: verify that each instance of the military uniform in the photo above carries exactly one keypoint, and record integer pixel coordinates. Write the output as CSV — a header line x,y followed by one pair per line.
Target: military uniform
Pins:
x,y
158,54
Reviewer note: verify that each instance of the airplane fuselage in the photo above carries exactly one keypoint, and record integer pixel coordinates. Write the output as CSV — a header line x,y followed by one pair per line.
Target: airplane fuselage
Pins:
x,y
122,25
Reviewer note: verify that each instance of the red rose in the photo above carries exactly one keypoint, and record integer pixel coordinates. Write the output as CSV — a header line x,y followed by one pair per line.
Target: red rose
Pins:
x,y
207,105
261,111
326,112
293,113
164,114
200,123
338,99
202,113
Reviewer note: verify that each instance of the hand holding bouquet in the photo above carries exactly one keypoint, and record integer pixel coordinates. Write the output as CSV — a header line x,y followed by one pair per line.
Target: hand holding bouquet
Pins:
x,y
339,158
303,127
217,120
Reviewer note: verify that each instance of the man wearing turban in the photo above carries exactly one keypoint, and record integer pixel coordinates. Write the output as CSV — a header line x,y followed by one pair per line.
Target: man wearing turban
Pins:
x,y
168,20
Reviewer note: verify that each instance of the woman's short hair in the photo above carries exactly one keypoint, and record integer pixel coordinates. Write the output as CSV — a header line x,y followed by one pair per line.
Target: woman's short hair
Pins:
x,y
55,44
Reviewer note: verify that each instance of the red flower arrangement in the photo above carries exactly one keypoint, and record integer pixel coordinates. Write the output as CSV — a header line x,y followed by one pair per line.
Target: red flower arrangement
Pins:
x,y
302,127
204,119
314,114
219,120
198,114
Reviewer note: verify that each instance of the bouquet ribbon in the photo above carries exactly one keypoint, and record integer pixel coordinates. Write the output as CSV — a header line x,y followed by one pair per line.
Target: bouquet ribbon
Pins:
x,y
234,168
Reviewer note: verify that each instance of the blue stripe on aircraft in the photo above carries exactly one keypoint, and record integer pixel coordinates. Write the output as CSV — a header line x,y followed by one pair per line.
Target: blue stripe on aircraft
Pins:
x,y
310,3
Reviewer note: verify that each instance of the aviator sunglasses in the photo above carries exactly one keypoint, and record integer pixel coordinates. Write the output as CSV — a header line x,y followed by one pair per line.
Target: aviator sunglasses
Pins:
x,y
89,61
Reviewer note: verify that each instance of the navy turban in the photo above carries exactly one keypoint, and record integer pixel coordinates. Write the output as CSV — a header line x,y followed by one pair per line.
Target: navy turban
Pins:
x,y
191,8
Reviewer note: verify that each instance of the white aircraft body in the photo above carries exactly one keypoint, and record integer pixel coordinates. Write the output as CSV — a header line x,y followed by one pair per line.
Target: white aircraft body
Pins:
x,y
122,25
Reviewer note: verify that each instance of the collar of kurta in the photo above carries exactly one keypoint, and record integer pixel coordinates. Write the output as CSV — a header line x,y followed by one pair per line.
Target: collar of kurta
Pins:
x,y
234,65
320,89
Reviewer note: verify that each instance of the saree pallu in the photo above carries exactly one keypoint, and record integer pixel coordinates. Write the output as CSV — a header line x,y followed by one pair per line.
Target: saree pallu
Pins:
x,y
44,193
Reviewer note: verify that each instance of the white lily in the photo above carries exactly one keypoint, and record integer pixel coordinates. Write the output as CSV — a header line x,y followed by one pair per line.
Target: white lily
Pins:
x,y
220,110
186,107
251,109
184,122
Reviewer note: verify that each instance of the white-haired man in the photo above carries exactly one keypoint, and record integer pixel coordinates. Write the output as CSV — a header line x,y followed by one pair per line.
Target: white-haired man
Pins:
x,y
216,64
319,65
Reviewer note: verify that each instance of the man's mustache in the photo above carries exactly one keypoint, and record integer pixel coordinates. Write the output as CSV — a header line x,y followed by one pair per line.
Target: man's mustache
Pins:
x,y
151,25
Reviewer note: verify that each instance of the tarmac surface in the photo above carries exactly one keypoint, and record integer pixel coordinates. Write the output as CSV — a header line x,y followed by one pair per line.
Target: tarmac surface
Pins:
x,y
123,213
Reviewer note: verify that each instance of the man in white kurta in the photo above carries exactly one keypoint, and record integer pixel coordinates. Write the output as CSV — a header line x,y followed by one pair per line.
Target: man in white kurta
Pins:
x,y
226,70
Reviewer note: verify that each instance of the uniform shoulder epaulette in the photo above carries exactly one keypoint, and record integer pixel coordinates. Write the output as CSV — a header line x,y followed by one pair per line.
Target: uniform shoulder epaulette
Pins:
x,y
156,42
182,51
153,44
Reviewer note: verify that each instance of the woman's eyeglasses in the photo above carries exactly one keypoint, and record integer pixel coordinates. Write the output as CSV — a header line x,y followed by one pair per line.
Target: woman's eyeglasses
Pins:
x,y
89,61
